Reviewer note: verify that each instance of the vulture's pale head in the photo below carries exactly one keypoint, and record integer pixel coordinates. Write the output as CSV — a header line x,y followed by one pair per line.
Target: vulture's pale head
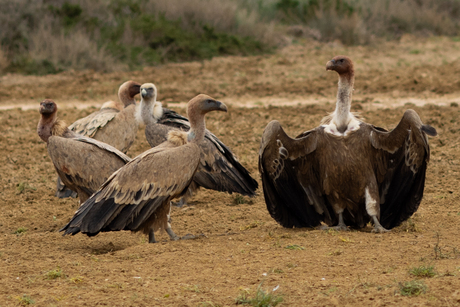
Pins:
x,y
341,64
203,104
127,91
148,91
47,107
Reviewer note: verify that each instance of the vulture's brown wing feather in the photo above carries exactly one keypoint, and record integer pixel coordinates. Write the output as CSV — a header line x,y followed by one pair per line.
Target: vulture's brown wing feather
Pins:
x,y
290,181
219,169
127,200
83,164
401,167
89,125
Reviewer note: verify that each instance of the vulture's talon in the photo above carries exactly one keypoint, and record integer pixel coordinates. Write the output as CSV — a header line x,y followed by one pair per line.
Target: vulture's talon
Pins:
x,y
380,229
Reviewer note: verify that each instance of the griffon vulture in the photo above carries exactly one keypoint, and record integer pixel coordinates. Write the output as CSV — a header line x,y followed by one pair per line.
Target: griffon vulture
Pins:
x,y
346,171
137,197
115,124
82,163
218,170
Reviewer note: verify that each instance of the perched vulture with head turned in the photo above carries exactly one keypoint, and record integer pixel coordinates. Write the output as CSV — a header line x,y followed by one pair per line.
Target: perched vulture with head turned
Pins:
x,y
218,170
82,163
345,172
115,124
137,197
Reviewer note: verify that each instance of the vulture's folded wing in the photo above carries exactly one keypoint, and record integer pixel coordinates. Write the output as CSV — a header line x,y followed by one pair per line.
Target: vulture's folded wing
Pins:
x,y
400,167
89,125
83,163
132,194
292,189
219,169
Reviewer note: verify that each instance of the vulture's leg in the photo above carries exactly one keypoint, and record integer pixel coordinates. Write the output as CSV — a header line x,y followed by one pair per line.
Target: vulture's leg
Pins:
x,y
171,233
152,236
373,209
340,226
168,228
377,226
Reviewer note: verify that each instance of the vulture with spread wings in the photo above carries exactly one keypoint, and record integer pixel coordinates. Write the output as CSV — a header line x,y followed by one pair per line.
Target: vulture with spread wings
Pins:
x,y
345,172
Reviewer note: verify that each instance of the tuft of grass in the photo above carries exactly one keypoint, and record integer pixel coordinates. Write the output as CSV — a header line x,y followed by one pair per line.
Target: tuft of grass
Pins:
x,y
252,225
294,247
239,200
24,186
412,288
409,226
54,274
423,271
76,279
261,298
25,300
20,231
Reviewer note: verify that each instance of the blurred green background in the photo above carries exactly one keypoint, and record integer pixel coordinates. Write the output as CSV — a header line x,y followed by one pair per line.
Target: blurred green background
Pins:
x,y
49,36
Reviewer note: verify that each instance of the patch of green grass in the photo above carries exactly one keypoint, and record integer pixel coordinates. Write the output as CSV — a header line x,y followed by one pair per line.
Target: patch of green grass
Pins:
x,y
412,288
294,247
423,271
54,274
24,186
239,199
20,231
261,298
25,300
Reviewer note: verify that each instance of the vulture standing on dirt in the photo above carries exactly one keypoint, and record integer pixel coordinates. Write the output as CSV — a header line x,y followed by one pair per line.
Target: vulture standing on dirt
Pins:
x,y
82,163
115,124
218,170
137,197
345,172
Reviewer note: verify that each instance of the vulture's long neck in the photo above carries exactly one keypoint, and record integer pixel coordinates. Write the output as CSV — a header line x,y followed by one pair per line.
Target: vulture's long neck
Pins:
x,y
50,125
197,128
342,115
150,111
126,99
45,125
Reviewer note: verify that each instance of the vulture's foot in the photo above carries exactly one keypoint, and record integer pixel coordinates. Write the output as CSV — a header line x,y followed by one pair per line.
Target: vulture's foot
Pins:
x,y
188,236
182,202
378,228
171,234
152,236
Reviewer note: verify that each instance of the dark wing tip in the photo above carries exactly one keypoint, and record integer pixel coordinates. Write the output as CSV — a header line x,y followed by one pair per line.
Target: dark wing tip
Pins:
x,y
429,130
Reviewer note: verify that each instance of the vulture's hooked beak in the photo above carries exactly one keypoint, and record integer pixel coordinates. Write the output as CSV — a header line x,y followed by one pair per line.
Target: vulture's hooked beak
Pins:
x,y
330,64
220,106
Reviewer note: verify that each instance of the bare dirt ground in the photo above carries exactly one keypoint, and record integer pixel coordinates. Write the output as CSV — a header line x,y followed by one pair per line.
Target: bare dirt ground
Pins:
x,y
241,247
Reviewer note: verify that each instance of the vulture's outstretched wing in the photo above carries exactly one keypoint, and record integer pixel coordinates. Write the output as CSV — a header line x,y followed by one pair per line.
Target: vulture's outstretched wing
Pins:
x,y
401,167
83,164
128,200
219,169
89,125
291,185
